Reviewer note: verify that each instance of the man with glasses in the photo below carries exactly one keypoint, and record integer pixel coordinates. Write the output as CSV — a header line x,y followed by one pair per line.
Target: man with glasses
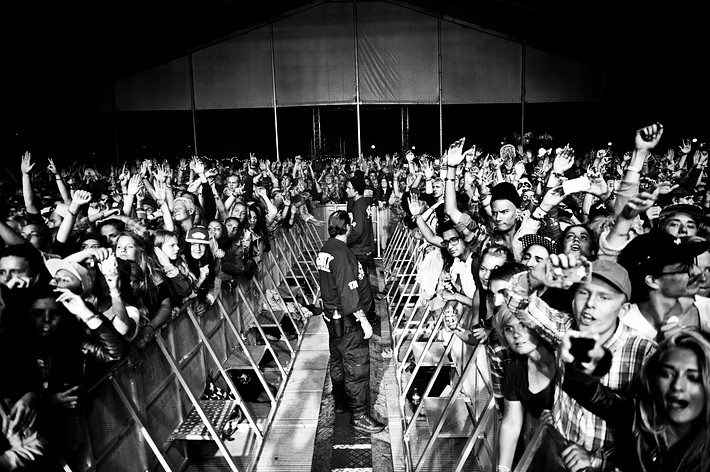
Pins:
x,y
666,277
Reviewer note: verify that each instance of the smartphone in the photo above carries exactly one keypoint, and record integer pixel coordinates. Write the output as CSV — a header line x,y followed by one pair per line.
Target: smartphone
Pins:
x,y
580,184
580,348
573,275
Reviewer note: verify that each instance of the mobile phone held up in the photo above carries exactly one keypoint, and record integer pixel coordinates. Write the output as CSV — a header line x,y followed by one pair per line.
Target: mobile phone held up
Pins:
x,y
580,348
580,184
581,273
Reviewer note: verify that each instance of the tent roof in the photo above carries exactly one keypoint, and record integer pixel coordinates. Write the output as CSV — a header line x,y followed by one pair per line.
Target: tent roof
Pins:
x,y
92,41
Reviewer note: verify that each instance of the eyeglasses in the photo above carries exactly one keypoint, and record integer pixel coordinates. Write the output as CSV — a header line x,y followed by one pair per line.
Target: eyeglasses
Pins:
x,y
453,241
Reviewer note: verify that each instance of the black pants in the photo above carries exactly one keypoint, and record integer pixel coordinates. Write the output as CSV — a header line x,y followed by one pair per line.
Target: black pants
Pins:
x,y
350,367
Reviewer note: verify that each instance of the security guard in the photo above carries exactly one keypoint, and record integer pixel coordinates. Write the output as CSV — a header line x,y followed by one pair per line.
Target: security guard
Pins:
x,y
346,298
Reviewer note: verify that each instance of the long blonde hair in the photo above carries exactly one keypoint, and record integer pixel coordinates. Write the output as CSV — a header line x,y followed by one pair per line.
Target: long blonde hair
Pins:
x,y
652,411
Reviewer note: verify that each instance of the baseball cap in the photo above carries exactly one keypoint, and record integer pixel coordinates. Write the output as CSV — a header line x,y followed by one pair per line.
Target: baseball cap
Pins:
x,y
648,253
77,270
614,274
198,234
598,209
694,211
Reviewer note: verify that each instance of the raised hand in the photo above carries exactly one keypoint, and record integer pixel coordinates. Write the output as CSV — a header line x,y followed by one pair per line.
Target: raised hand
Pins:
x,y
552,198
454,155
124,176
415,206
685,146
134,184
598,187
564,159
81,197
639,203
648,137
74,303
161,190
109,268
26,164
428,169
51,166
161,174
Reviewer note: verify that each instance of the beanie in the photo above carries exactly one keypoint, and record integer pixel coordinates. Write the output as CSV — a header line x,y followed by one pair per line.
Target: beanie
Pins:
x,y
506,191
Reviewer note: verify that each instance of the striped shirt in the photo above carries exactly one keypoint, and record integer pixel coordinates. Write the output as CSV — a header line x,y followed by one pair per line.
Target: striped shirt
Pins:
x,y
629,351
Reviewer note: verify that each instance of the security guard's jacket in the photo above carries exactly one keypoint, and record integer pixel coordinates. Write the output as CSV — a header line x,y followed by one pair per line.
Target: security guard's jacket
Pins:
x,y
339,289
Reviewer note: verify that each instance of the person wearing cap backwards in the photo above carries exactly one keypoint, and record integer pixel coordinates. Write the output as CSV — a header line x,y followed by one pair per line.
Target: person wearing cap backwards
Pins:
x,y
536,248
346,300
596,308
665,278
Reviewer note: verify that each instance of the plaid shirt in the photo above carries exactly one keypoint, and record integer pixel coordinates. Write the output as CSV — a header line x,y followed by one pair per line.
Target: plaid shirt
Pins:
x,y
499,358
629,351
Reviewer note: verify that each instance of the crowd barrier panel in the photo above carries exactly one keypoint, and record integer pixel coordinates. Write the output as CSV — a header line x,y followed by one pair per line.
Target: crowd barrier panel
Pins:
x,y
416,329
131,417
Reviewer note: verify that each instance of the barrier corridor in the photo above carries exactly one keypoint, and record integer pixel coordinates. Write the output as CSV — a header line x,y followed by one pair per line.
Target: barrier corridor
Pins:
x,y
244,386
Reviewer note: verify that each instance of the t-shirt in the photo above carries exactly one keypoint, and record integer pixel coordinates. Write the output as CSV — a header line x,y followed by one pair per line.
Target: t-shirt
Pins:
x,y
517,389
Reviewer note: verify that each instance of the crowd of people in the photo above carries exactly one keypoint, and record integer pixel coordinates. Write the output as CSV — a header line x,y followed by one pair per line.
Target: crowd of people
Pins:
x,y
96,260
587,278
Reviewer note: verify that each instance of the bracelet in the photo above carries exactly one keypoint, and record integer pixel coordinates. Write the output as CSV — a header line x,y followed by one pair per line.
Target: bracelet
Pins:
x,y
502,468
58,177
92,317
115,294
633,169
71,212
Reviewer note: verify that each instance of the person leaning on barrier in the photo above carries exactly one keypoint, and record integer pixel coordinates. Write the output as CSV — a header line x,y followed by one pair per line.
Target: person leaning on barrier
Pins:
x,y
346,298
596,308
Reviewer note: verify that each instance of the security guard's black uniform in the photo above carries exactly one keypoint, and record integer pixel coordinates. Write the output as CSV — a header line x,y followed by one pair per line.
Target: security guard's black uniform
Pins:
x,y
344,290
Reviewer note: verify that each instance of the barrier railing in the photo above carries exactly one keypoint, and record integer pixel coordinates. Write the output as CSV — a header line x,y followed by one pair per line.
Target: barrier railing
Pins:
x,y
454,427
144,411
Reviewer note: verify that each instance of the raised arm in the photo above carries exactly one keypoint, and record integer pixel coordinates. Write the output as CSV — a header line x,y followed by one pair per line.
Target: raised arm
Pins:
x,y
28,193
646,139
80,198
416,209
61,185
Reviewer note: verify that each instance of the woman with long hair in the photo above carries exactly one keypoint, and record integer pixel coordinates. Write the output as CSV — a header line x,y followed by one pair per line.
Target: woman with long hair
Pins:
x,y
202,265
166,248
527,387
154,292
666,427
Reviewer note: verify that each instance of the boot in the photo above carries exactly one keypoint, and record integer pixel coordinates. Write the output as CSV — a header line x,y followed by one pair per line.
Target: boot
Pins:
x,y
366,424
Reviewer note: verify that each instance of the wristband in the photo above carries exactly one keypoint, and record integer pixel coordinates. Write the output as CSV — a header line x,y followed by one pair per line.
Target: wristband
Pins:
x,y
115,294
149,326
71,212
633,169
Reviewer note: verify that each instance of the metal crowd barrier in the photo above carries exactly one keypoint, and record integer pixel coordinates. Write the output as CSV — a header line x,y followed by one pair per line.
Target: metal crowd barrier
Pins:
x,y
454,429
145,413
